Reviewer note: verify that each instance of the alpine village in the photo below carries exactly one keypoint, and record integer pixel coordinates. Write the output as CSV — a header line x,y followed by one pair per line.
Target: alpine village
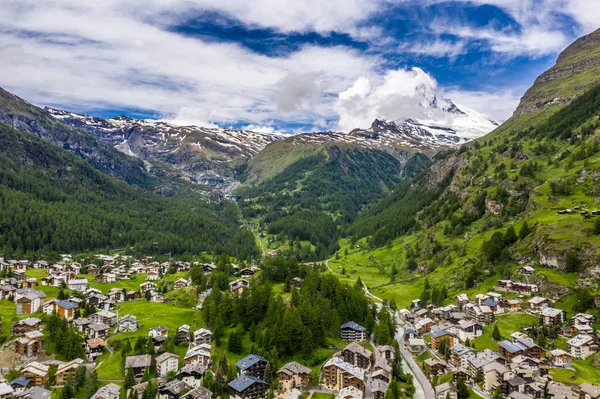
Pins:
x,y
346,266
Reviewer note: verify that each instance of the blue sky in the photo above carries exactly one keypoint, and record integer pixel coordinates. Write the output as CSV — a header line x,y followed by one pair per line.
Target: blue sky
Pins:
x,y
279,66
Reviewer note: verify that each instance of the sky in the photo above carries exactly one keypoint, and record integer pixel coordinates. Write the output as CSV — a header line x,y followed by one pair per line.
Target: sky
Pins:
x,y
284,66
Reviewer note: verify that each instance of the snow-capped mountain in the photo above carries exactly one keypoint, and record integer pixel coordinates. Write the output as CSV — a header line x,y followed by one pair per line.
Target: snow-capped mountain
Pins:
x,y
204,155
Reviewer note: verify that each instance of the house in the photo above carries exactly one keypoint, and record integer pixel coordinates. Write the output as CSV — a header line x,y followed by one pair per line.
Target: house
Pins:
x,y
582,319
511,350
435,366
19,384
446,390
385,352
182,334
133,295
293,375
192,374
253,365
557,390
29,283
526,271
128,323
7,291
198,393
512,304
147,286
551,316
475,364
582,346
469,329
152,275
239,285
29,301
81,323
157,297
248,387
158,331
109,391
94,348
116,295
26,325
181,283
589,391
65,309
6,391
336,374
423,326
350,393
353,332
138,364
560,358
493,375
417,345
199,354
459,355
67,370
537,303
171,389
30,344
36,372
356,355
438,336
78,284
97,330
202,336
35,393
482,314
462,299
165,363
105,317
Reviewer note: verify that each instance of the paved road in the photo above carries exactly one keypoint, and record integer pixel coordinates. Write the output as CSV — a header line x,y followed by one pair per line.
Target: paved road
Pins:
x,y
422,384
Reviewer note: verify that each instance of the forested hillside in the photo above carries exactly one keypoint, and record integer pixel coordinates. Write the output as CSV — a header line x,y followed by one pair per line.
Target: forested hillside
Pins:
x,y
529,192
52,202
313,197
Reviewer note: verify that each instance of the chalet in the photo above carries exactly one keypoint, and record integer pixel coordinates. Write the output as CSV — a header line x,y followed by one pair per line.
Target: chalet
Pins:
x,y
200,354
40,264
128,323
29,283
182,334
417,345
589,391
249,271
105,317
551,316
21,265
582,319
202,336
26,325
18,385
7,291
296,282
192,374
537,303
435,366
560,358
511,350
423,326
198,393
239,285
153,275
172,389
440,335
181,283
36,372
337,374
97,330
253,365
133,295
147,286
93,348
208,268
557,390
116,295
476,363
353,332
78,284
480,313
582,346
385,353
95,299
30,344
28,300
512,304
157,296
81,323
165,363
64,309
462,299
92,269
67,370
356,355
248,387
526,271
293,375
138,364
446,390
158,331
109,391
469,329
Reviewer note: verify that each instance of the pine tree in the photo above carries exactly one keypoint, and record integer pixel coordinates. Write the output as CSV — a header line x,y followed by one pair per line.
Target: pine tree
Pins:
x,y
129,379
525,230
496,333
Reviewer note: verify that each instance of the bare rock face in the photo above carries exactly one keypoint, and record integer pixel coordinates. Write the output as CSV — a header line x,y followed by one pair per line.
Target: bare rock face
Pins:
x,y
580,58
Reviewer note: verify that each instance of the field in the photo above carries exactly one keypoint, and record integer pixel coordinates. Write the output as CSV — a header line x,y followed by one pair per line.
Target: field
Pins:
x,y
507,324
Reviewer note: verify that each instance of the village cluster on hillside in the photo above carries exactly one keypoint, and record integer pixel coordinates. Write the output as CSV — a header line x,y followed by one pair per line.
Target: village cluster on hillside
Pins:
x,y
443,340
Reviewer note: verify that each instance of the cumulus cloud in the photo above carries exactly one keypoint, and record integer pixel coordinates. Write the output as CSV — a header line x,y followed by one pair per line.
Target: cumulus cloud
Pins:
x,y
294,89
400,94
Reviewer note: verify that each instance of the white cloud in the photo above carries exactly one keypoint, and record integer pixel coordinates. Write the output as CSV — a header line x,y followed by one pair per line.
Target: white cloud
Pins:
x,y
499,105
435,48
399,95
262,129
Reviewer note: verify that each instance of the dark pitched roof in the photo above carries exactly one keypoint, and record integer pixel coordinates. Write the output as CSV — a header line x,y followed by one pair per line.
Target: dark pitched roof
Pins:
x,y
243,382
66,304
250,361
353,326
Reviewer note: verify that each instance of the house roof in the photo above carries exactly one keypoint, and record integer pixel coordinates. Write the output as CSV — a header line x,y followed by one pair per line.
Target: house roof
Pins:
x,y
138,361
66,304
198,393
294,368
353,326
592,390
173,387
355,371
511,347
165,356
20,381
98,326
551,312
250,361
108,391
243,382
192,369
440,333
447,386
36,393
